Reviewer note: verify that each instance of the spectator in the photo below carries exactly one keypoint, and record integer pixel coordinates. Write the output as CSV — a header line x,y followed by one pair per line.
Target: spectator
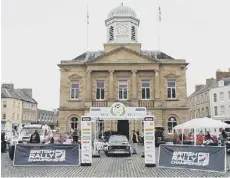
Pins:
x,y
3,146
35,137
75,136
135,141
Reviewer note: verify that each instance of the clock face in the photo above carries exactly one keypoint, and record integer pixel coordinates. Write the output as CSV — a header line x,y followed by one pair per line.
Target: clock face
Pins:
x,y
122,30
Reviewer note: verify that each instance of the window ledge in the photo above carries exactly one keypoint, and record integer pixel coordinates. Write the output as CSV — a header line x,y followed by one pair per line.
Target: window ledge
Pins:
x,y
172,99
75,100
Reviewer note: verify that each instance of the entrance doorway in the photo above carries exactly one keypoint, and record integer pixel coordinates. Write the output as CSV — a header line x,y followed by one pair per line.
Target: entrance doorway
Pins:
x,y
123,127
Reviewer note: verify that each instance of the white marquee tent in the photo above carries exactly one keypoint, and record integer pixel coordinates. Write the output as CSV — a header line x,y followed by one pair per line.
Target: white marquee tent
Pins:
x,y
202,123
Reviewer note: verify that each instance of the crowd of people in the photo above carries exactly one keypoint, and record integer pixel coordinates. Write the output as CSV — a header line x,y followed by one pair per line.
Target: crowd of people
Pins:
x,y
201,138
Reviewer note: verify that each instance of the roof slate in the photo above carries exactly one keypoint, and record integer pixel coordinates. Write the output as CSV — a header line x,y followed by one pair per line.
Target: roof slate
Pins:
x,y
90,55
16,94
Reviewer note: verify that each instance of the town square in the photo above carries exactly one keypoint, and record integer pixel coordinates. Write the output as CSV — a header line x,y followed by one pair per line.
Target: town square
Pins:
x,y
114,89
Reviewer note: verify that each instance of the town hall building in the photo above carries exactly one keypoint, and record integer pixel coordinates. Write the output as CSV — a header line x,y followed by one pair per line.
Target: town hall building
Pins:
x,y
123,72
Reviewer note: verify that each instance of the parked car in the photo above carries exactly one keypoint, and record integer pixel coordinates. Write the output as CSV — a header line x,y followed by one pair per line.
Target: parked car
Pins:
x,y
159,136
118,145
45,132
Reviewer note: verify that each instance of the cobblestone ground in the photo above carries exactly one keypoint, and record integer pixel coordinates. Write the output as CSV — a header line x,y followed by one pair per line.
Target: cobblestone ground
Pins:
x,y
103,167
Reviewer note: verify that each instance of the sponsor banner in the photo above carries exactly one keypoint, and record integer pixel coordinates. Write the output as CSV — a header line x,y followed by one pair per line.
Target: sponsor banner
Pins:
x,y
149,137
118,111
193,157
86,136
48,155
149,140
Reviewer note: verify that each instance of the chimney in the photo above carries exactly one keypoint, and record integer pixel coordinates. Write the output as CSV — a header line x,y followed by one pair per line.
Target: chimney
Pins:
x,y
198,87
28,91
211,82
8,86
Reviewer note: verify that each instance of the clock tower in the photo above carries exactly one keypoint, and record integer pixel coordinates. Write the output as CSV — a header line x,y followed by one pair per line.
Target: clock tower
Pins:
x,y
122,25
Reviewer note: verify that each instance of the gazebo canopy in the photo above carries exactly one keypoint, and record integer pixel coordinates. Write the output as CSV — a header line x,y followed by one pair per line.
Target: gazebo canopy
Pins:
x,y
202,123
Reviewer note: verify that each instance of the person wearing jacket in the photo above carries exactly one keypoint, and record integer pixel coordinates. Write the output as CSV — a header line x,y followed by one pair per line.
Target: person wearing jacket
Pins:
x,y
3,148
135,141
75,136
35,137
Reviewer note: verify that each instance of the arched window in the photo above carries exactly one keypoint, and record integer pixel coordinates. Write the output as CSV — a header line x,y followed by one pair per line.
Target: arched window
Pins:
x,y
133,33
111,35
73,123
172,122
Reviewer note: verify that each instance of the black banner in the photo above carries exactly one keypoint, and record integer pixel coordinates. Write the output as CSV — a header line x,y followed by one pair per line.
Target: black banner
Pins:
x,y
48,155
193,157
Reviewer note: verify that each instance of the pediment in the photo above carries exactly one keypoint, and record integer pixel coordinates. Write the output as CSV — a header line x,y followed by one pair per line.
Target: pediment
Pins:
x,y
74,77
122,55
171,76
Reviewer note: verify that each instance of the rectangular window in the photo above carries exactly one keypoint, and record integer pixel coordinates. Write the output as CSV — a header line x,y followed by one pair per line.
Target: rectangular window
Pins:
x,y
202,112
222,110
221,96
13,104
198,112
13,116
18,116
145,89
215,97
3,116
215,111
100,87
123,90
171,89
228,95
4,104
75,90
18,105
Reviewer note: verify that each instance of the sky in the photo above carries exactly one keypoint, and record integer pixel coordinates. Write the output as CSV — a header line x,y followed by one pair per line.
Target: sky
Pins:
x,y
37,34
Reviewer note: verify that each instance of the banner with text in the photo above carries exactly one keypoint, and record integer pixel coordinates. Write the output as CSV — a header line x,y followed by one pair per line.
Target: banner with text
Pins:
x,y
86,139
149,141
48,155
193,157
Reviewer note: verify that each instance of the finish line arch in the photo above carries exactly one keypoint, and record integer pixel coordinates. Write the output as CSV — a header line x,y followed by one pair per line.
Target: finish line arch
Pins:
x,y
118,111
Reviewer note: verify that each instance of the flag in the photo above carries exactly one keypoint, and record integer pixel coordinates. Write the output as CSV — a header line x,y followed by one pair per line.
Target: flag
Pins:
x,y
87,16
159,13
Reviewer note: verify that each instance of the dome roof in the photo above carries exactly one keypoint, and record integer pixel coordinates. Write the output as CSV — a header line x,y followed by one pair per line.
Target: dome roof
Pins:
x,y
122,11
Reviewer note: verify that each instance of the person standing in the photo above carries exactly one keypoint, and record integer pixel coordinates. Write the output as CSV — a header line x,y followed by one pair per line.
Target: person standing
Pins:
x,y
75,136
135,141
35,137
3,148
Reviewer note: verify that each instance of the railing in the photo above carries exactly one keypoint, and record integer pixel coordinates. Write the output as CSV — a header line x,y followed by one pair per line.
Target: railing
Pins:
x,y
99,103
146,103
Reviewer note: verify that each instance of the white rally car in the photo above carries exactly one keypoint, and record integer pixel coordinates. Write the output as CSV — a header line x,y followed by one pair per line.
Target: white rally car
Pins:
x,y
44,131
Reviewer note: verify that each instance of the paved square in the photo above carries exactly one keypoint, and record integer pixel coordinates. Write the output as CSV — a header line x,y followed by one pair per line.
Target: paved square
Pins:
x,y
103,167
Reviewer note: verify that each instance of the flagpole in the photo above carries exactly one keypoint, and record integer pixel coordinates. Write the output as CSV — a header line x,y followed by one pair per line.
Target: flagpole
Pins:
x,y
87,38
158,27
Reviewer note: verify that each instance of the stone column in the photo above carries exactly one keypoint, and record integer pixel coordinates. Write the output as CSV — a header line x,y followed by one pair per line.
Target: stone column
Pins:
x,y
157,84
134,84
111,85
89,85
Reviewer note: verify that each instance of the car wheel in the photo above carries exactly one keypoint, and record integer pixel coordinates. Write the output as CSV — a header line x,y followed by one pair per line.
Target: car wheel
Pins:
x,y
11,152
129,154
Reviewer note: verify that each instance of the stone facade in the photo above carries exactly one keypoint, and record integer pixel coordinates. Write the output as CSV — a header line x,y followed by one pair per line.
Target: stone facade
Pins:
x,y
123,62
18,107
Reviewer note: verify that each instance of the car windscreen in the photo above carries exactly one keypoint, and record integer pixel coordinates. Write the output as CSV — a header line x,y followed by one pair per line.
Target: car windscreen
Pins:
x,y
31,131
117,138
